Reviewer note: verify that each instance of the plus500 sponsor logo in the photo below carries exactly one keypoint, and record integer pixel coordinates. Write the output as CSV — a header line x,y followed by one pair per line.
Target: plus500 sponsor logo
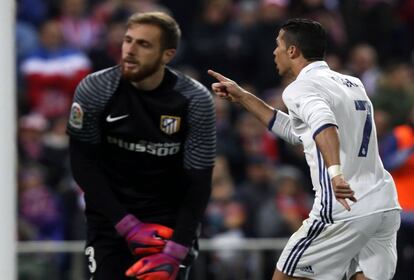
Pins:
x,y
156,149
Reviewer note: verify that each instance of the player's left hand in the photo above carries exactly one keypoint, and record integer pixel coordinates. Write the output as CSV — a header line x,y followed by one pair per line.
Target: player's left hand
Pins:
x,y
155,267
162,266
342,191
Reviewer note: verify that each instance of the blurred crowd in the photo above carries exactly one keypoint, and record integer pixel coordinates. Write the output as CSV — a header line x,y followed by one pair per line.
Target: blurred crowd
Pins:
x,y
261,185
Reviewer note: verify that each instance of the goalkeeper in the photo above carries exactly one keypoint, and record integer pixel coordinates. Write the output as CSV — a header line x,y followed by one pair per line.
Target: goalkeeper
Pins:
x,y
142,147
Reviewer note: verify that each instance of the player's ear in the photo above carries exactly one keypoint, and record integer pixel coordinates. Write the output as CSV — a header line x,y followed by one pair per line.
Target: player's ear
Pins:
x,y
293,51
168,55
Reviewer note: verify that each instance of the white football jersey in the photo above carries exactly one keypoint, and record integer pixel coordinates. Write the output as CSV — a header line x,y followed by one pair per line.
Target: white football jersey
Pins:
x,y
320,97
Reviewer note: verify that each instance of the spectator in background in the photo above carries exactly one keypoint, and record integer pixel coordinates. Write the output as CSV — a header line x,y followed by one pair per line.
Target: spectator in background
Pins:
x,y
382,121
79,29
107,53
256,189
30,146
231,264
395,93
39,218
32,12
282,213
272,13
222,191
327,14
229,143
363,64
38,206
56,144
44,143
398,158
209,42
52,73
255,139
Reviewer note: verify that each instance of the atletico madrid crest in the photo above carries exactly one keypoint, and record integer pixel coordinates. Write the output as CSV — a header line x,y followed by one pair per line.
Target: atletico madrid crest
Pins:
x,y
170,124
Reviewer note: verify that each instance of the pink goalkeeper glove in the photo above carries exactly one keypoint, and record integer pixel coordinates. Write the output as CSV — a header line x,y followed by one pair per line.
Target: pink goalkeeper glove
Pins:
x,y
143,239
162,266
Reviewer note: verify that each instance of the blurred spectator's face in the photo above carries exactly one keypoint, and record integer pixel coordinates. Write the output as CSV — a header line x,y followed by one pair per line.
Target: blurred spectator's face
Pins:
x,y
73,8
248,13
59,126
50,35
31,136
235,215
400,76
250,128
31,179
116,34
222,189
259,173
363,58
382,122
216,12
273,13
142,54
289,186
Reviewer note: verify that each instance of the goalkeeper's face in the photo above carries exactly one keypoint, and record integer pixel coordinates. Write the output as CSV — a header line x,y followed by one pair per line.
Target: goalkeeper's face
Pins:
x,y
142,54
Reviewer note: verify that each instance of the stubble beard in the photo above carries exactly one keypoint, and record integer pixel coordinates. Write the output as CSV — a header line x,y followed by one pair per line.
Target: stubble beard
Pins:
x,y
143,72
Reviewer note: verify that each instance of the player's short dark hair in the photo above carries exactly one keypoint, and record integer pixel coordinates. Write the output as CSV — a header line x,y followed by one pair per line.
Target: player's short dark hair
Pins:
x,y
170,30
307,35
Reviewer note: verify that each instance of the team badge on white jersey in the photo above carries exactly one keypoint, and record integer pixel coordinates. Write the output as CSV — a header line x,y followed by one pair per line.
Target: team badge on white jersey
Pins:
x,y
76,116
170,124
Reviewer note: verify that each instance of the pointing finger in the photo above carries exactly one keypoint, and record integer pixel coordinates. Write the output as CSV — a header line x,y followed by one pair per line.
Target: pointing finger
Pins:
x,y
218,76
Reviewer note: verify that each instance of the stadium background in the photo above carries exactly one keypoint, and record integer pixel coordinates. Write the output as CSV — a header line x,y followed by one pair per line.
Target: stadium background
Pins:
x,y
261,186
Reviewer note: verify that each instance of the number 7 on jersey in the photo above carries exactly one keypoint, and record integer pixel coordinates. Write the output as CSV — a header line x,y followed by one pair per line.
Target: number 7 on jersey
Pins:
x,y
363,105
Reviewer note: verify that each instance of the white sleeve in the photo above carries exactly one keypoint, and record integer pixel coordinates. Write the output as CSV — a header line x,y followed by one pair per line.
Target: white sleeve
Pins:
x,y
282,127
311,105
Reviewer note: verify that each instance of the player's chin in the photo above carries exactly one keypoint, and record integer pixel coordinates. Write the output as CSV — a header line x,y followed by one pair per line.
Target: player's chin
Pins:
x,y
130,74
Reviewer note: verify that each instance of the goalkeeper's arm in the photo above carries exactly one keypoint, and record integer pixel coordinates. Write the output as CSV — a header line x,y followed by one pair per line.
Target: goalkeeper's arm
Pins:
x,y
142,238
92,180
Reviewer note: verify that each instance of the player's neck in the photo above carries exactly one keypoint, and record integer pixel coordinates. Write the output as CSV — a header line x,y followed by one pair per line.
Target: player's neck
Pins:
x,y
151,82
298,66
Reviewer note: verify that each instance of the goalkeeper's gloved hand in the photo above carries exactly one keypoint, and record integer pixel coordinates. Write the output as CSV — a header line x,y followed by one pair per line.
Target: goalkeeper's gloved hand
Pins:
x,y
143,239
162,266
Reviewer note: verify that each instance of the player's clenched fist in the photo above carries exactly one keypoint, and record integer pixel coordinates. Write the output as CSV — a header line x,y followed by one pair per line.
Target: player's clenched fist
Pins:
x,y
162,266
143,239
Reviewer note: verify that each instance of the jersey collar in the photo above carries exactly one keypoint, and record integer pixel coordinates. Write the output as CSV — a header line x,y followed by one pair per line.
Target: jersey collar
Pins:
x,y
313,65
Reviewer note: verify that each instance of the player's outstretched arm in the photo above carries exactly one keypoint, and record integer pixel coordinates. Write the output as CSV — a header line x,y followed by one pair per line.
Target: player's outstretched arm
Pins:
x,y
230,90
